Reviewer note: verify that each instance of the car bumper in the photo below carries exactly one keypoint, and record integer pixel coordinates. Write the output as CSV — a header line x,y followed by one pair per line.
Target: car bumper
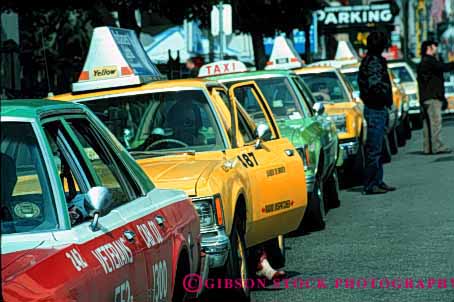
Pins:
x,y
349,148
216,245
414,110
448,111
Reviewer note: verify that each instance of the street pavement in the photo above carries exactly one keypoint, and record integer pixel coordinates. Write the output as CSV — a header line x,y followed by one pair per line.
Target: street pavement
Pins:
x,y
408,233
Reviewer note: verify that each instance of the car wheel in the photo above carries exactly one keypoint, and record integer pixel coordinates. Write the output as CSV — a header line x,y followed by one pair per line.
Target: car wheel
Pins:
x,y
416,122
331,195
393,142
236,266
407,127
179,292
401,135
357,171
314,216
275,250
386,151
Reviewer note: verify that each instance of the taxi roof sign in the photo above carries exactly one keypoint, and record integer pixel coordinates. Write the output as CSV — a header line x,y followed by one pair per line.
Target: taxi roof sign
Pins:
x,y
284,55
345,51
222,67
116,58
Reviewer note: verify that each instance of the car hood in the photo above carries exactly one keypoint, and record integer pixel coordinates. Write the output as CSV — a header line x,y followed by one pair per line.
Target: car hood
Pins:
x,y
184,173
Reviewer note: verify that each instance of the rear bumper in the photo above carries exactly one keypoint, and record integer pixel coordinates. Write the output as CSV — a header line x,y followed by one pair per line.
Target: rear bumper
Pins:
x,y
216,245
414,110
349,148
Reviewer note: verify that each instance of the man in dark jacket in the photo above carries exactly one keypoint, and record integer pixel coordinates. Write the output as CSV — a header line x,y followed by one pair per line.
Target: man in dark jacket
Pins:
x,y
432,96
376,93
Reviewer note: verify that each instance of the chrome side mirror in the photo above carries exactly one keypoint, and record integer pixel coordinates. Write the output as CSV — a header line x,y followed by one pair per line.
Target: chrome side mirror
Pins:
x,y
262,133
319,108
99,202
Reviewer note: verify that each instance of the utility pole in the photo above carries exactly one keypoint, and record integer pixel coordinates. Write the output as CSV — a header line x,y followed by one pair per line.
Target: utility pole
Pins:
x,y
221,30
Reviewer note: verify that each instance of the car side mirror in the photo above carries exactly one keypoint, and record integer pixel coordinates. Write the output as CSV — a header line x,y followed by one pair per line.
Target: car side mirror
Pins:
x,y
397,80
262,133
99,202
319,108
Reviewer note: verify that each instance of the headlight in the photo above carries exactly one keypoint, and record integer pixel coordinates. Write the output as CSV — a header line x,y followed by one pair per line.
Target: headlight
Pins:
x,y
340,121
209,210
205,211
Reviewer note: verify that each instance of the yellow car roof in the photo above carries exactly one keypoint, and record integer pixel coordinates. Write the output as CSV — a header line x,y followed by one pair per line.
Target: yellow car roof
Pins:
x,y
168,84
314,69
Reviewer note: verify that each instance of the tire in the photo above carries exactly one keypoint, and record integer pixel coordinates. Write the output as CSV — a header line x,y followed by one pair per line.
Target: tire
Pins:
x,y
331,195
357,170
314,216
407,127
401,135
386,151
179,292
236,266
275,250
392,138
416,122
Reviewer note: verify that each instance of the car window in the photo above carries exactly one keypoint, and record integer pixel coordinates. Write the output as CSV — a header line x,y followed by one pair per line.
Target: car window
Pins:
x,y
402,74
308,100
248,100
161,122
326,87
103,161
352,78
281,97
70,180
27,202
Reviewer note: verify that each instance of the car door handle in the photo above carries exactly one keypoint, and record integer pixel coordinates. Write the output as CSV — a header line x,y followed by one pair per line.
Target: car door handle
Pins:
x,y
159,220
289,152
129,235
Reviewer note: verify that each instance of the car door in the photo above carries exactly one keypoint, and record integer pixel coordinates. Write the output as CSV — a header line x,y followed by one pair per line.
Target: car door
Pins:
x,y
113,253
324,128
278,186
148,223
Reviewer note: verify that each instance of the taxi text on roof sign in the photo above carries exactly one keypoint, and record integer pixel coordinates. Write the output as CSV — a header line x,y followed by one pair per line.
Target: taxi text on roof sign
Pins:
x,y
222,67
116,58
284,55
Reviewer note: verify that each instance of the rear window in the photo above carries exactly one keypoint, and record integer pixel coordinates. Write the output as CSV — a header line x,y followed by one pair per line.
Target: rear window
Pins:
x,y
27,203
326,87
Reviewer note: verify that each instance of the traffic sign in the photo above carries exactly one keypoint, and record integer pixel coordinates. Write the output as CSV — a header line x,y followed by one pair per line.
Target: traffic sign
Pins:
x,y
226,19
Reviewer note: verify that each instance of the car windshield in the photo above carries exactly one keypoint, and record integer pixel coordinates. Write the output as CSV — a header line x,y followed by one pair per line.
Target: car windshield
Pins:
x,y
27,203
162,122
280,96
326,87
352,78
402,74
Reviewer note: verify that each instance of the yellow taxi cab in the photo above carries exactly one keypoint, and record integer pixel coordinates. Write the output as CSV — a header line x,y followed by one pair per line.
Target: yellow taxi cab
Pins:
x,y
449,93
399,124
246,181
329,86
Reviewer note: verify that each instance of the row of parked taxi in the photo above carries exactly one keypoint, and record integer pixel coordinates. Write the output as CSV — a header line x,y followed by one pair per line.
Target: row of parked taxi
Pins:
x,y
127,184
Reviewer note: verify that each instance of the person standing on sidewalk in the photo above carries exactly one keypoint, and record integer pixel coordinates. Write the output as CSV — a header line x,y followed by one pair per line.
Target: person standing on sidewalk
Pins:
x,y
376,93
432,96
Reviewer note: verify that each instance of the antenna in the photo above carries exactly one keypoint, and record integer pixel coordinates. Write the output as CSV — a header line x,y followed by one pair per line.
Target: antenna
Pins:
x,y
45,64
